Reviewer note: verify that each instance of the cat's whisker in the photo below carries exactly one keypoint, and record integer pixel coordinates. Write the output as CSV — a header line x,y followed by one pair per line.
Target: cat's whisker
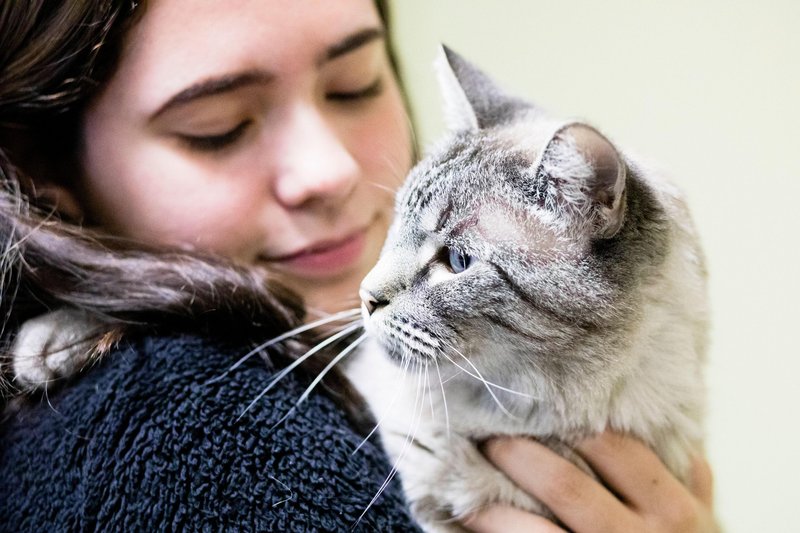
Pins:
x,y
386,412
47,398
409,440
353,304
300,360
286,487
352,346
430,393
383,187
398,169
289,334
454,376
480,378
341,327
444,400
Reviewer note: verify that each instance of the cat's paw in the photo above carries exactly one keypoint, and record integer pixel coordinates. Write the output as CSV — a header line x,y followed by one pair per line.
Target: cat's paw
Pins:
x,y
52,346
449,478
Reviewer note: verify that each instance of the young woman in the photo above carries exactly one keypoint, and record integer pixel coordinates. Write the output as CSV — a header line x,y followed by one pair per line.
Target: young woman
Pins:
x,y
184,162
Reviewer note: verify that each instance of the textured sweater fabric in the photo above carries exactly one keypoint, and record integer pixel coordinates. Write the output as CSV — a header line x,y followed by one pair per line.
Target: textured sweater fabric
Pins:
x,y
143,442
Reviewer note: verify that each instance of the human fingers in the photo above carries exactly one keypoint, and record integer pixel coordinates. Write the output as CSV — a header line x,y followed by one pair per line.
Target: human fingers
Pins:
x,y
579,501
658,499
506,519
633,471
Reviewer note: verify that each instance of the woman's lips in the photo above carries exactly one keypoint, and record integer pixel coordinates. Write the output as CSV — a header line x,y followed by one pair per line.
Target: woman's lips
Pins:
x,y
326,258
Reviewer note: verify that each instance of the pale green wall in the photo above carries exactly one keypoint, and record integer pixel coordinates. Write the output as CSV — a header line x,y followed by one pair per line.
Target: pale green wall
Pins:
x,y
710,91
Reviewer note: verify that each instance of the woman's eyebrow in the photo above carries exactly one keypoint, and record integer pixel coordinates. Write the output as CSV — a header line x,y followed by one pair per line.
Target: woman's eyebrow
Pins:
x,y
351,42
212,86
230,82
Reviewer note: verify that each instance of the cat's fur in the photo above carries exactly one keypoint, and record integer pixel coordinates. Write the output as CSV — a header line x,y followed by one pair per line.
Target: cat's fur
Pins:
x,y
586,295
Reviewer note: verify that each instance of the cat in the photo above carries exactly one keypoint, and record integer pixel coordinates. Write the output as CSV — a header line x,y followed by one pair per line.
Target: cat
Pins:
x,y
535,282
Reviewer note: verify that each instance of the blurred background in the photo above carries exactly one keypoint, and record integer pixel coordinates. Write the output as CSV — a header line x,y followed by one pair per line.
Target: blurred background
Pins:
x,y
710,91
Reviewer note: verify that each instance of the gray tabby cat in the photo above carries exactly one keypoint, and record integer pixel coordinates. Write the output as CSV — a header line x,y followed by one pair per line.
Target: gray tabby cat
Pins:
x,y
535,282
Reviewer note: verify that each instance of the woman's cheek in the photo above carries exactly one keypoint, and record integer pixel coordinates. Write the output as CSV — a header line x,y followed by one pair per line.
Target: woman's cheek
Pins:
x,y
384,141
209,213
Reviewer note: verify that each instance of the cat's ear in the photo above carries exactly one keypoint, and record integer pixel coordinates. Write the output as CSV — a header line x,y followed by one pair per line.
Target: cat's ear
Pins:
x,y
472,100
458,112
592,176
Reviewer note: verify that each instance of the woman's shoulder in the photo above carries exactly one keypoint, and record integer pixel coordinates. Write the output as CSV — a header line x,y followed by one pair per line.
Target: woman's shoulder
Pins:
x,y
159,433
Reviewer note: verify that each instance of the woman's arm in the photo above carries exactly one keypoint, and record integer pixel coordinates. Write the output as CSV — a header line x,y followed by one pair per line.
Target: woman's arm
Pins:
x,y
642,495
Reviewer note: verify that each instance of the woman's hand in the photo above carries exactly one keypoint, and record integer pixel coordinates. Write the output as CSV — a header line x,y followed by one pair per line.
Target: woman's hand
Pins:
x,y
646,497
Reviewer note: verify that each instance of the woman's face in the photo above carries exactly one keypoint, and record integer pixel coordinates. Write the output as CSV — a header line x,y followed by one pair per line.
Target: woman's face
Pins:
x,y
269,131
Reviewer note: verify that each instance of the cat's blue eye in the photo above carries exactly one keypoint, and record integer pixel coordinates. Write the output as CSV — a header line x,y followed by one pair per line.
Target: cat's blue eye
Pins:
x,y
458,261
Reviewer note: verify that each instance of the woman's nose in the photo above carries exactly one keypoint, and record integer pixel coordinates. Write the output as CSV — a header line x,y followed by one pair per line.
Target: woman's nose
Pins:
x,y
314,163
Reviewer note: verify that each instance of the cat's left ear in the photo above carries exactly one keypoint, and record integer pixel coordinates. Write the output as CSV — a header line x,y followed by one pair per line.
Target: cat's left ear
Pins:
x,y
472,100
458,112
603,186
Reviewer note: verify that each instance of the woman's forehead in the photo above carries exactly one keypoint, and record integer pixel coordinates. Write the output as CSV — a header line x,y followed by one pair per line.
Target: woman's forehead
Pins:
x,y
178,43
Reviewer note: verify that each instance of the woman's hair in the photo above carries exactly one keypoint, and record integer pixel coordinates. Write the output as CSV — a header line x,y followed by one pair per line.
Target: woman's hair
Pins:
x,y
54,58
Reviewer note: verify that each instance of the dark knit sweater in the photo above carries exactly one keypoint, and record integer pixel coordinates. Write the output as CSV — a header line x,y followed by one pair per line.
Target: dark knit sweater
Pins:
x,y
143,443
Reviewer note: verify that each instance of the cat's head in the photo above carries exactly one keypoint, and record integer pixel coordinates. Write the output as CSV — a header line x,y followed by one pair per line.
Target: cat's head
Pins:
x,y
498,244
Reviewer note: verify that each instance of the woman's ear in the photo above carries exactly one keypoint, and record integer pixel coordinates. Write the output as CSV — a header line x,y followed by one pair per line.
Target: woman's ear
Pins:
x,y
60,198
48,178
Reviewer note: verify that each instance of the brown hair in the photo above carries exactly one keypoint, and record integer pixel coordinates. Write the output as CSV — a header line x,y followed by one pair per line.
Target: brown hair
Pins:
x,y
54,57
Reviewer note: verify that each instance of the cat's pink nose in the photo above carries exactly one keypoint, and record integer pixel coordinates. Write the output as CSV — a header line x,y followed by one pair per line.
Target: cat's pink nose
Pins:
x,y
368,301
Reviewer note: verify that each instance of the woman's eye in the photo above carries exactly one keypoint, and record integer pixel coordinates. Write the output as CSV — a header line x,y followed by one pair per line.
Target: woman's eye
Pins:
x,y
210,143
371,90
458,261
